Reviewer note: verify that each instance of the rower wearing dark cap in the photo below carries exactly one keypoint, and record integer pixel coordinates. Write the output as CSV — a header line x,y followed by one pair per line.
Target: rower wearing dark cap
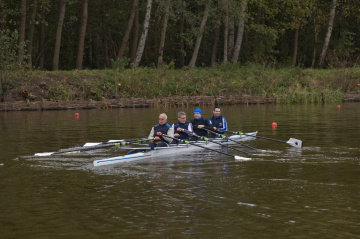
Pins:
x,y
200,123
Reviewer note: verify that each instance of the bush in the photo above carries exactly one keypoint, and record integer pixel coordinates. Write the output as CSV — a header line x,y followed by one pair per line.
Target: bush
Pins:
x,y
11,66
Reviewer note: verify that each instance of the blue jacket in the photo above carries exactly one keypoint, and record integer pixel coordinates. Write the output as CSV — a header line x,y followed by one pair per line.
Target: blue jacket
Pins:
x,y
187,125
219,122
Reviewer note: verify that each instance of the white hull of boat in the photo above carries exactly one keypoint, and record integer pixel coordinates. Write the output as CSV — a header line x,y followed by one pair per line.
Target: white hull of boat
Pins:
x,y
171,150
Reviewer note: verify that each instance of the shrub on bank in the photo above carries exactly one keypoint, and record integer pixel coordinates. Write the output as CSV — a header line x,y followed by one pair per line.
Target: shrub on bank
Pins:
x,y
291,85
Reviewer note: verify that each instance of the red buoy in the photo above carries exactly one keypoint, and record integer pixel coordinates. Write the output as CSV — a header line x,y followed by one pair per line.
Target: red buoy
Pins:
x,y
338,106
274,124
76,114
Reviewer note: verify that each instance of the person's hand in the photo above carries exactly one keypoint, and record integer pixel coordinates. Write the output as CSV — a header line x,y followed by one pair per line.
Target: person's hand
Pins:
x,y
179,129
201,126
156,138
159,133
215,128
177,135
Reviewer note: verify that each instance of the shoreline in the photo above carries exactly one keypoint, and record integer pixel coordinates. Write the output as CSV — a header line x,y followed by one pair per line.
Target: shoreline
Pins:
x,y
179,101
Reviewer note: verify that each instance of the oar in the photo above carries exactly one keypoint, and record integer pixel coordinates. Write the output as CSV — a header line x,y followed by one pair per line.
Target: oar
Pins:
x,y
213,141
297,143
141,140
188,142
225,137
77,150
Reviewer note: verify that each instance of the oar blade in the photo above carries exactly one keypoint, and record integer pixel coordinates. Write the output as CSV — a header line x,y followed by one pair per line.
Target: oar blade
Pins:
x,y
108,142
239,158
91,144
44,154
297,143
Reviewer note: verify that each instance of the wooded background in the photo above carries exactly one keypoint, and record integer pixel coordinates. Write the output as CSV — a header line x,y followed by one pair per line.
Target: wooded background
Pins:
x,y
87,34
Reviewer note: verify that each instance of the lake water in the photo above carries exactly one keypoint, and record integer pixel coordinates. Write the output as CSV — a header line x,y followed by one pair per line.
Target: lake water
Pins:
x,y
283,192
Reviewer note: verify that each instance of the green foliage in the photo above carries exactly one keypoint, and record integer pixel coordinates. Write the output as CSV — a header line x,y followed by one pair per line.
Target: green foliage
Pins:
x,y
11,66
268,35
291,85
120,64
341,55
58,92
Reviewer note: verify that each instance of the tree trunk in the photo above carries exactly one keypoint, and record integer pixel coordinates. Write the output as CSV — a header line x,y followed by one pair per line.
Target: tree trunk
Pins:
x,y
42,46
231,39
215,46
199,38
328,34
55,65
82,33
296,42
133,44
32,29
315,44
106,52
22,30
2,15
163,34
128,29
141,46
182,45
226,34
240,33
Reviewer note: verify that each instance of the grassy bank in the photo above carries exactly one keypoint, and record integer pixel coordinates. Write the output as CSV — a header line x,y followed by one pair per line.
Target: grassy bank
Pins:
x,y
291,85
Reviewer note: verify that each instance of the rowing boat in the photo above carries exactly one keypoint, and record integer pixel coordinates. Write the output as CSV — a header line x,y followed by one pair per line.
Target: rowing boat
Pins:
x,y
178,149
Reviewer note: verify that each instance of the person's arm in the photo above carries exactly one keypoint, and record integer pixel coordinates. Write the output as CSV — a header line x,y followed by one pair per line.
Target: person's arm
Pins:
x,y
209,124
190,128
224,124
171,134
176,134
151,135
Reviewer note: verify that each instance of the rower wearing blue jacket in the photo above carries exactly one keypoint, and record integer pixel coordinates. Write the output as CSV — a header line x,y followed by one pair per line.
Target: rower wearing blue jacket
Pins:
x,y
217,120
182,124
163,128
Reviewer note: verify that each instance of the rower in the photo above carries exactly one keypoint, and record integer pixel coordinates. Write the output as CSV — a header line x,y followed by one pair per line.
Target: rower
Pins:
x,y
218,121
158,130
181,124
200,123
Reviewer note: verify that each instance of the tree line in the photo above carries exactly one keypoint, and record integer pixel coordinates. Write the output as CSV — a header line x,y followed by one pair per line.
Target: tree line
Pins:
x,y
86,34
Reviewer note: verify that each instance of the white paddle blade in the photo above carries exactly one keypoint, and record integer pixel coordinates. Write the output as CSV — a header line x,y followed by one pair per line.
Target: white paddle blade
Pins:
x,y
44,154
239,158
295,142
91,144
94,144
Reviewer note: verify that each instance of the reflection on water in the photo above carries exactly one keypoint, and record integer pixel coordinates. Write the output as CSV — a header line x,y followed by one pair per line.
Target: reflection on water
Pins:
x,y
283,192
